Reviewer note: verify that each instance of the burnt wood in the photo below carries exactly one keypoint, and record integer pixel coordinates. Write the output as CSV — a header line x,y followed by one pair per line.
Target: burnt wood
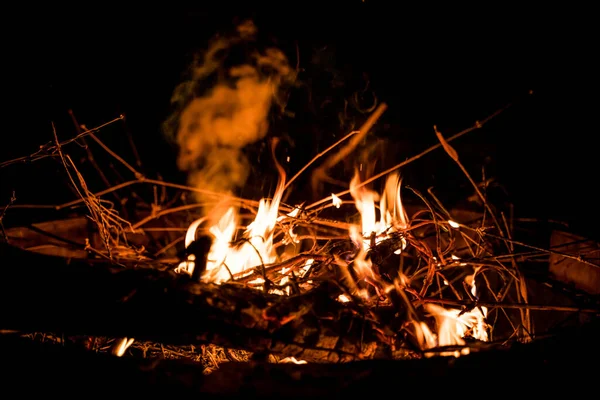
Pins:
x,y
42,293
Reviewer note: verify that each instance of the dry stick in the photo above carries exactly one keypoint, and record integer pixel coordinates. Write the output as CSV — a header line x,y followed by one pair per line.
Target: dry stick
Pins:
x,y
169,246
548,251
250,274
158,214
477,125
521,290
321,154
526,306
51,147
133,182
321,172
89,153
521,287
452,153
85,199
431,269
134,149
137,174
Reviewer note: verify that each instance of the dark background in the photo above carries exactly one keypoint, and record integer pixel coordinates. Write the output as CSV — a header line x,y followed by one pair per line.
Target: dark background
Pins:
x,y
432,65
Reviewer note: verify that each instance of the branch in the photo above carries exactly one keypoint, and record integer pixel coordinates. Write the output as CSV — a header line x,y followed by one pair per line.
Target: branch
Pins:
x,y
49,149
320,173
54,294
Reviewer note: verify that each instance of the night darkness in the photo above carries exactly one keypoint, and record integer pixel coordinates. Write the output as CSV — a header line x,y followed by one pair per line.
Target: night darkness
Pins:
x,y
447,68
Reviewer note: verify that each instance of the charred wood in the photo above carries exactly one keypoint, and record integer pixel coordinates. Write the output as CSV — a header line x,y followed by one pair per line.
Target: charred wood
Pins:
x,y
41,293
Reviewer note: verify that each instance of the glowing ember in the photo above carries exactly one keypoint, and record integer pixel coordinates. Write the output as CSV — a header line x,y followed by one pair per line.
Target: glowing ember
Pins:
x,y
453,224
292,360
337,202
121,346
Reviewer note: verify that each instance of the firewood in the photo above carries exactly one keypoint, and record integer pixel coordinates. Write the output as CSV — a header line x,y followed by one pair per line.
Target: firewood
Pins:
x,y
42,293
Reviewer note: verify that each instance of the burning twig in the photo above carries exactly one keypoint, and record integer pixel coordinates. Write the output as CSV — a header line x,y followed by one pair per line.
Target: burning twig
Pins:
x,y
290,279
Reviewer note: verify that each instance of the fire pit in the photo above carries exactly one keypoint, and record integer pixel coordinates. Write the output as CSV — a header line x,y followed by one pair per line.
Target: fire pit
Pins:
x,y
331,287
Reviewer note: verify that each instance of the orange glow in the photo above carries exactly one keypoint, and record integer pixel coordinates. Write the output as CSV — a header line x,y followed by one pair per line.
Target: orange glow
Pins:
x,y
121,345
255,248
337,202
392,218
453,325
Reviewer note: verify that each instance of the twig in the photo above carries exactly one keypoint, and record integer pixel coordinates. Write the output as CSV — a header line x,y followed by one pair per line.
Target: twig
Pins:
x,y
49,148
477,125
452,153
250,274
137,174
147,181
524,306
549,251
321,172
90,155
321,154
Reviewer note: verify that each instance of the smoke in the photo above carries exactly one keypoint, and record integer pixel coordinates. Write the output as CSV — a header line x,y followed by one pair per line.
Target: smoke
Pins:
x,y
225,106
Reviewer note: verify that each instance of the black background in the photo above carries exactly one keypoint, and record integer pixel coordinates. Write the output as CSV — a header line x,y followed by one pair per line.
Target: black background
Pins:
x,y
432,64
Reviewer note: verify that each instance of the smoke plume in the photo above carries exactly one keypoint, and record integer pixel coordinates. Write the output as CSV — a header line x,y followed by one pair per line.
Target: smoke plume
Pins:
x,y
225,106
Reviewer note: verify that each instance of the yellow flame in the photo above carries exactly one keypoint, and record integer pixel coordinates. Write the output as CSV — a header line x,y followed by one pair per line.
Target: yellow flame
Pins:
x,y
337,202
392,218
292,360
255,248
453,224
453,325
343,298
121,345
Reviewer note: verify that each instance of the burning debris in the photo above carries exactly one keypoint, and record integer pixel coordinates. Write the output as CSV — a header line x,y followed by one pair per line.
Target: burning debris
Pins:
x,y
360,274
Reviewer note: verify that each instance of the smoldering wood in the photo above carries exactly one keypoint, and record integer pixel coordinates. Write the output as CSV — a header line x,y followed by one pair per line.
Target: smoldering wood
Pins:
x,y
563,361
41,293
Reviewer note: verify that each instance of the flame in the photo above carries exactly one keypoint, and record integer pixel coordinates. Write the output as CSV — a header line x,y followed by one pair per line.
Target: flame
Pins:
x,y
337,202
454,325
454,224
392,218
255,248
292,360
121,345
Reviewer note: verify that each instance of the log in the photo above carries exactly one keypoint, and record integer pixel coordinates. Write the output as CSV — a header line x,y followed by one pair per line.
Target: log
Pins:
x,y
563,362
43,293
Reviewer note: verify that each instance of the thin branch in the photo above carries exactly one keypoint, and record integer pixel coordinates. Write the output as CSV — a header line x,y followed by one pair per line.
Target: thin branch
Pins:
x,y
321,172
321,154
50,148
477,125
523,306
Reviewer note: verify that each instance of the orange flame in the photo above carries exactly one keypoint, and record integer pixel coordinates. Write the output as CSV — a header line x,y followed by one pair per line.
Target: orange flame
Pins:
x,y
392,218
376,224
454,325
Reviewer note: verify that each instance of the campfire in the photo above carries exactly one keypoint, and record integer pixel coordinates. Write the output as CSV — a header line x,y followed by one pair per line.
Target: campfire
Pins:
x,y
147,269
